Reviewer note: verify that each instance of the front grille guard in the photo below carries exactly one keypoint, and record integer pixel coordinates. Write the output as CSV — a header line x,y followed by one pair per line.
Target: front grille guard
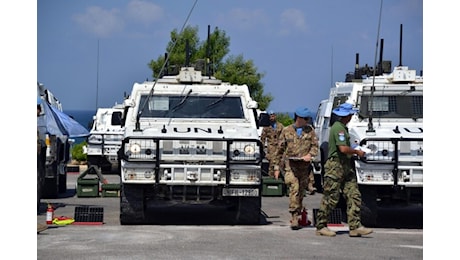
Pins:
x,y
154,155
390,158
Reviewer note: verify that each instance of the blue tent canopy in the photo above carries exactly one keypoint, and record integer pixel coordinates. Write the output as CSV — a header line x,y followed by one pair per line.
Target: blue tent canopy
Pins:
x,y
58,123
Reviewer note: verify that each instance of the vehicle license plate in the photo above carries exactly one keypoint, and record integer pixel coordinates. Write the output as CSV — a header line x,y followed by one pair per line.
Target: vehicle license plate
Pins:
x,y
240,192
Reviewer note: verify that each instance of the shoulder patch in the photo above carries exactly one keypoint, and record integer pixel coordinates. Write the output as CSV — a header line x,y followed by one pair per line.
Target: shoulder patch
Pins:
x,y
341,135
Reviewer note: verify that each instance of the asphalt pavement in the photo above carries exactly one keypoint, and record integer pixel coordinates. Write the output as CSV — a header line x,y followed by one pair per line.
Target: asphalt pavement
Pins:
x,y
272,239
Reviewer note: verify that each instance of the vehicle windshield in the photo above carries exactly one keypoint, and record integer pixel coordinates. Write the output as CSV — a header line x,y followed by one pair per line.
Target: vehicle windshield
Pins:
x,y
394,106
176,106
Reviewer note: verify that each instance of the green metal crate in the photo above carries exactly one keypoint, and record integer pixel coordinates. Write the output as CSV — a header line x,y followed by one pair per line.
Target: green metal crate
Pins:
x,y
88,187
272,187
110,190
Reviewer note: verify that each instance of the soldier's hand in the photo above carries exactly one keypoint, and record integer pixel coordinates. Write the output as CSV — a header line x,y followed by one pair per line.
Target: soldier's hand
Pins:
x,y
277,174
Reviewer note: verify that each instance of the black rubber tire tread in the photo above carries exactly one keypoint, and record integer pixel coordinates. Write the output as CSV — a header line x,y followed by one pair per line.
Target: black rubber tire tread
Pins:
x,y
368,206
249,211
63,182
131,204
50,188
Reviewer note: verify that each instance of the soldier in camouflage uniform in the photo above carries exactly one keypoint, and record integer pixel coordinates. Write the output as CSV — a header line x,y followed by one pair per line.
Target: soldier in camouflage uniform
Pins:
x,y
297,147
269,137
340,178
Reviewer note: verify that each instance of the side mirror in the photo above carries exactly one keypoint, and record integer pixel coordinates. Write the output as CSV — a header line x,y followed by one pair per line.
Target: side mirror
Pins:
x,y
264,119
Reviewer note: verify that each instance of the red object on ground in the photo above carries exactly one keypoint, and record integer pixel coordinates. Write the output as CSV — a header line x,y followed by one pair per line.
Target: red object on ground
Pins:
x,y
304,218
49,214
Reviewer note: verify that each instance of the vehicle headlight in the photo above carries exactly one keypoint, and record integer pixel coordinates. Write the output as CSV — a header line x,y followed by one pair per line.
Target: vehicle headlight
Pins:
x,y
135,148
249,150
373,148
95,139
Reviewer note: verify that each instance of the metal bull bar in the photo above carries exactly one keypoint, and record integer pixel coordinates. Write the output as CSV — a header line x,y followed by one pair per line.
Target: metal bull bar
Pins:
x,y
390,150
152,150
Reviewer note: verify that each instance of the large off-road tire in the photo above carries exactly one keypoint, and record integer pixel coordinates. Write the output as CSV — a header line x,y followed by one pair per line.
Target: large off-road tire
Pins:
x,y
368,206
63,182
249,211
50,188
132,204
41,161
319,180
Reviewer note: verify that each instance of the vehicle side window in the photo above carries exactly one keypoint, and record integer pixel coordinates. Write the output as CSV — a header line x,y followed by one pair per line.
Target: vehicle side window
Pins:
x,y
116,118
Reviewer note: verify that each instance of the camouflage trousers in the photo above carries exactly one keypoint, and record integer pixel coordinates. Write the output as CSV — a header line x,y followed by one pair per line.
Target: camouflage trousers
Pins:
x,y
271,171
339,179
296,179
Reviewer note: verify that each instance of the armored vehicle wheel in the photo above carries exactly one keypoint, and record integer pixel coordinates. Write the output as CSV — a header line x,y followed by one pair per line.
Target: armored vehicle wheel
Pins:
x,y
131,205
369,206
249,211
63,182
50,188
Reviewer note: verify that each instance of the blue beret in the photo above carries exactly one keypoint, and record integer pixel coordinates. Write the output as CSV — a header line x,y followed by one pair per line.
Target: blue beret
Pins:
x,y
344,109
303,112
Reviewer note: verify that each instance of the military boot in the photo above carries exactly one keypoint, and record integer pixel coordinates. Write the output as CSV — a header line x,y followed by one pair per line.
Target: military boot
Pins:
x,y
361,231
325,232
295,221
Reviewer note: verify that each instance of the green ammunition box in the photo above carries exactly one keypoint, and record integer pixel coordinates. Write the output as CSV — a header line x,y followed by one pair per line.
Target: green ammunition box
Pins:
x,y
88,187
272,187
110,190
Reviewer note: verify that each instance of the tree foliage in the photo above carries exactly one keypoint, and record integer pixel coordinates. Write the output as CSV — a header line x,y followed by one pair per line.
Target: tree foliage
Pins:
x,y
209,56
284,119
77,152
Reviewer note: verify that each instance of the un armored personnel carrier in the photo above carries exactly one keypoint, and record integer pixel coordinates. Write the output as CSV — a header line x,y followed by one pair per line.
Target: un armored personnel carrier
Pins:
x,y
389,126
105,138
190,140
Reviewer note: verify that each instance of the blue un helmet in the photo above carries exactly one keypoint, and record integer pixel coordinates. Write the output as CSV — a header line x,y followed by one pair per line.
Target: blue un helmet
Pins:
x,y
345,109
303,112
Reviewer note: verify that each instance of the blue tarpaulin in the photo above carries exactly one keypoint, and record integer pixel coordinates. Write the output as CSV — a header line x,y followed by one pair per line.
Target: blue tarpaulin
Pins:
x,y
58,123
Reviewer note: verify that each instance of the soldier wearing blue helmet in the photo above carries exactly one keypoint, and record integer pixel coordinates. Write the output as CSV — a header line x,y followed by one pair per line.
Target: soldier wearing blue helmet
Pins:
x,y
340,178
297,146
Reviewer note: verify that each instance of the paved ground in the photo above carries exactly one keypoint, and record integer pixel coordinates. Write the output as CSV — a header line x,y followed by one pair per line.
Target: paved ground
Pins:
x,y
272,239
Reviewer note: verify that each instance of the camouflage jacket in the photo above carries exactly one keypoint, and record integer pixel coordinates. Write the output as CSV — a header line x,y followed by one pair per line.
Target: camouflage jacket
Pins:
x,y
291,145
269,137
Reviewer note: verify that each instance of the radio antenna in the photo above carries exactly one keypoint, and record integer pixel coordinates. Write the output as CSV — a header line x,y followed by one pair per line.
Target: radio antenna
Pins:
x,y
162,69
370,126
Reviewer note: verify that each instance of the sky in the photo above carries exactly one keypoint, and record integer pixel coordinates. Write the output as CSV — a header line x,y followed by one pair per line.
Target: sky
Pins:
x,y
89,53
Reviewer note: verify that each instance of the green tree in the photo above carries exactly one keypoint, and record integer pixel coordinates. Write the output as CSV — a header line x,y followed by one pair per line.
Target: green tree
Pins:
x,y
212,51
77,152
284,119
238,71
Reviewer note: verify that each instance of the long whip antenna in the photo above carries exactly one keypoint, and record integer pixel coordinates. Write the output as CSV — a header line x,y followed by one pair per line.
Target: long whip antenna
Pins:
x,y
370,126
163,67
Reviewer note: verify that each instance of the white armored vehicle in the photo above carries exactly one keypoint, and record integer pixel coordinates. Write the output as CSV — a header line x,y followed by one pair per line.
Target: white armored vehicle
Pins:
x,y
105,138
389,126
190,140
